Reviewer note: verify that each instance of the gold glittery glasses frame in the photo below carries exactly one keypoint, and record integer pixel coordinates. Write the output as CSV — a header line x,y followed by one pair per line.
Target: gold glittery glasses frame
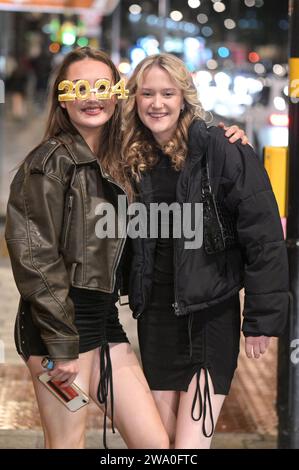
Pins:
x,y
81,90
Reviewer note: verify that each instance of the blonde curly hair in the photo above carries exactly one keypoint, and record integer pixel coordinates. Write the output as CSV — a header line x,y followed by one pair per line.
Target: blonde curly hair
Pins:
x,y
139,149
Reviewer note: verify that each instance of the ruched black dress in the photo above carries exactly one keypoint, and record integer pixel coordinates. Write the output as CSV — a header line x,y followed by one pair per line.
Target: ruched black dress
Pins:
x,y
174,349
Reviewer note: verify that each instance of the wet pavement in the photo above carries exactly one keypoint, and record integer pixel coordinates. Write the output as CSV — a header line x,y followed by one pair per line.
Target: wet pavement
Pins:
x,y
248,418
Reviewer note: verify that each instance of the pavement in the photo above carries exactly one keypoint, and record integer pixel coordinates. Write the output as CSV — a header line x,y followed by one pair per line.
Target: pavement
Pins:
x,y
248,419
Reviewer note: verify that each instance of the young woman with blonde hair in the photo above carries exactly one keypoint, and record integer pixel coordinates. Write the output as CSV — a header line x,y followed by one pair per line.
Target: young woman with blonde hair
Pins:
x,y
187,300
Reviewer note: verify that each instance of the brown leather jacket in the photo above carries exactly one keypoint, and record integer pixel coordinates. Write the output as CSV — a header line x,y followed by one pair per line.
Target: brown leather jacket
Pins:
x,y
51,238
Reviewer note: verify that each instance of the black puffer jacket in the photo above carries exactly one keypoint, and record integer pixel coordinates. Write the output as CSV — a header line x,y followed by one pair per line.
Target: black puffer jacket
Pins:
x,y
259,263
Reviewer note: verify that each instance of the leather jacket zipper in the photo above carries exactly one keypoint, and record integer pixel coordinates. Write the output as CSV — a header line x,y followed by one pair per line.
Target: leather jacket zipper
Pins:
x,y
118,260
68,219
122,245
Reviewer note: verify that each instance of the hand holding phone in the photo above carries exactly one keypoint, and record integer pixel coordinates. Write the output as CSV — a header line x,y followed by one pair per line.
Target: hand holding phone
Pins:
x,y
65,371
71,396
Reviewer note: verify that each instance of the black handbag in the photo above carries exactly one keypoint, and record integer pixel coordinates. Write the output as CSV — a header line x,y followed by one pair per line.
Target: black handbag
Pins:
x,y
219,226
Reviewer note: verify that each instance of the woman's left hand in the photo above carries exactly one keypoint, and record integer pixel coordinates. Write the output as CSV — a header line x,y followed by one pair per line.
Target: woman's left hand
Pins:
x,y
234,133
256,345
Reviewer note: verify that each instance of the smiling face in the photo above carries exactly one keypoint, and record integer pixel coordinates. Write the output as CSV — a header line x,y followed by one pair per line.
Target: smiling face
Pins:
x,y
159,103
89,115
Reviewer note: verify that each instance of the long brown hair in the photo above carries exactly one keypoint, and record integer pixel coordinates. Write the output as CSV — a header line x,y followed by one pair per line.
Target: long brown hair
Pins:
x,y
139,147
58,118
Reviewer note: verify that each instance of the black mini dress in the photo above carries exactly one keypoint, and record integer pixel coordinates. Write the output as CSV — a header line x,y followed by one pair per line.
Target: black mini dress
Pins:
x,y
174,349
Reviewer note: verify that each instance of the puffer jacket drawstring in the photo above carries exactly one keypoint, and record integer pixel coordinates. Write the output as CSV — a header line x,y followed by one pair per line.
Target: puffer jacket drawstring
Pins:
x,y
198,395
105,383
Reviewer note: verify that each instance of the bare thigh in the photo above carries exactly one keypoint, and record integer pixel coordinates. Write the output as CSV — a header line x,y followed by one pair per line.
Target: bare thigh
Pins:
x,y
135,413
189,433
62,428
167,402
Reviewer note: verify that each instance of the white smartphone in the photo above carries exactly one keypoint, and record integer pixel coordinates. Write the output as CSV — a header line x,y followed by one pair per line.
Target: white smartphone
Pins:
x,y
72,396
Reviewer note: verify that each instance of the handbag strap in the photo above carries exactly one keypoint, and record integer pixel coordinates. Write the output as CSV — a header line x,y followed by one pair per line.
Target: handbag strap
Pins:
x,y
205,178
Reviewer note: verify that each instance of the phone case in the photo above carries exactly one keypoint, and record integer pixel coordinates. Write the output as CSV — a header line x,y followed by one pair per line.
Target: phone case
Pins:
x,y
72,396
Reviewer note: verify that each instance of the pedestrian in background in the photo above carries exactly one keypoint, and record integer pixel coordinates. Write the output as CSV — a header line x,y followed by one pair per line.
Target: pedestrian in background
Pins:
x,y
42,68
17,84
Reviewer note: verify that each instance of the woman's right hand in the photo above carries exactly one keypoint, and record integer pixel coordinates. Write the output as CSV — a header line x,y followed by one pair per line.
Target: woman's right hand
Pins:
x,y
65,372
256,345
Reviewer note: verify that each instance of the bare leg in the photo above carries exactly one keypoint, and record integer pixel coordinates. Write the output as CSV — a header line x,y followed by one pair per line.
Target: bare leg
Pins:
x,y
167,403
135,413
189,433
63,429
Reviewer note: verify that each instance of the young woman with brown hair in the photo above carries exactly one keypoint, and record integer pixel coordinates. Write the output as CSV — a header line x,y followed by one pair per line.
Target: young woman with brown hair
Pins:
x,y
67,277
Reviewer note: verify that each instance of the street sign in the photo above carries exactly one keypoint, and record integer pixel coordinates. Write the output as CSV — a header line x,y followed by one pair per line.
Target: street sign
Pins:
x,y
276,161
